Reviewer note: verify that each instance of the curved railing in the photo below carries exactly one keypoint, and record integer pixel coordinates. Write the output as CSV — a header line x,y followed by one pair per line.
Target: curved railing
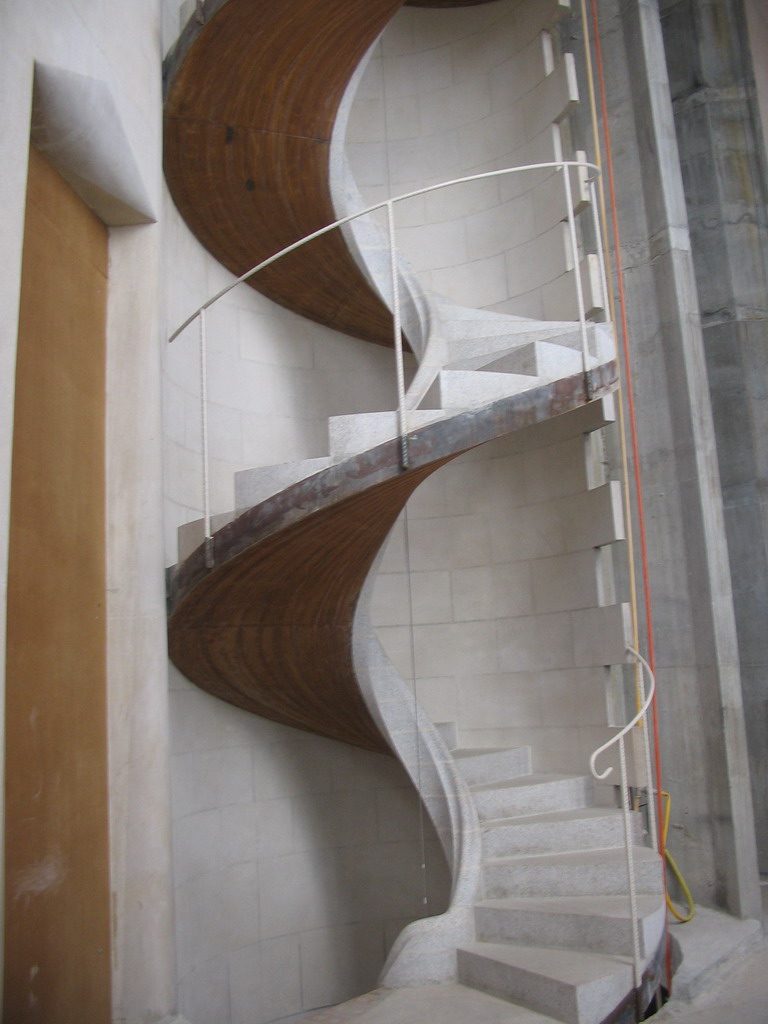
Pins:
x,y
638,727
448,801
564,167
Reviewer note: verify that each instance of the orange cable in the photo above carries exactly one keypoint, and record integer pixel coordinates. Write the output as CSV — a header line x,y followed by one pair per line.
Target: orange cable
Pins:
x,y
633,430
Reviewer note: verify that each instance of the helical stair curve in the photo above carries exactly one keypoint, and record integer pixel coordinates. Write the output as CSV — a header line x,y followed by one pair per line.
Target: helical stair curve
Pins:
x,y
276,624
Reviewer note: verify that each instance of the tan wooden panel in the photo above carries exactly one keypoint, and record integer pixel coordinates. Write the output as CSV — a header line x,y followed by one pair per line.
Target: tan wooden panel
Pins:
x,y
57,927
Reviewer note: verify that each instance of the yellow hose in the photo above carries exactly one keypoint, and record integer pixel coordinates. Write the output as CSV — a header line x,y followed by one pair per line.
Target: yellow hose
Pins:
x,y
676,871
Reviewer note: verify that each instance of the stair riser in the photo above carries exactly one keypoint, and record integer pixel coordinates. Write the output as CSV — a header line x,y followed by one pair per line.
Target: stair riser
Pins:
x,y
540,360
609,935
459,389
591,834
574,1004
253,486
468,340
353,433
564,794
517,879
498,766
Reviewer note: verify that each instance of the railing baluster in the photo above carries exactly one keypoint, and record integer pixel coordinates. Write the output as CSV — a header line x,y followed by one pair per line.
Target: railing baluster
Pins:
x,y
402,426
566,168
204,441
599,243
630,860
639,718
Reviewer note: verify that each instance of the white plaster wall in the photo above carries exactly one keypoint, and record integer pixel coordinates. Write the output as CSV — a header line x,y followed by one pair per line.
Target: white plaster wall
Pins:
x,y
297,864
274,378
297,859
117,45
493,595
449,93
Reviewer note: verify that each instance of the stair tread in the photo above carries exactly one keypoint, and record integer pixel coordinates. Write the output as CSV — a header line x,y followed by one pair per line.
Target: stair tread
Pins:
x,y
500,375
553,817
534,779
584,906
498,325
449,1004
602,855
567,966
479,751
524,344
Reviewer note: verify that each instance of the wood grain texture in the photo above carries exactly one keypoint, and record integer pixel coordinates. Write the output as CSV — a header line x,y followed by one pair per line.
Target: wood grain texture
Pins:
x,y
251,104
269,628
248,122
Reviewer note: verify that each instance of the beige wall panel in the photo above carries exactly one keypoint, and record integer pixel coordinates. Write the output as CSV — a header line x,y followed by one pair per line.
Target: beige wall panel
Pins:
x,y
57,862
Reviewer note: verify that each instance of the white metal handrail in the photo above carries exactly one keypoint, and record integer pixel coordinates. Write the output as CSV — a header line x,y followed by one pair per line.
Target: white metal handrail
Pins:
x,y
563,166
637,723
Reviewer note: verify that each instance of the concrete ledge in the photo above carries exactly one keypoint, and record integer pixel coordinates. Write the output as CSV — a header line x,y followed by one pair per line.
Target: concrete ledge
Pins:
x,y
708,943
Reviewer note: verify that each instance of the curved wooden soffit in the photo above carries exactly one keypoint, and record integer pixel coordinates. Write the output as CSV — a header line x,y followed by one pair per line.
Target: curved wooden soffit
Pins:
x,y
269,627
252,98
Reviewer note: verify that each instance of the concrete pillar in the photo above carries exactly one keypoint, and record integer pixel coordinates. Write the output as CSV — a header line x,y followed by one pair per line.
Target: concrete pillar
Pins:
x,y
723,165
703,740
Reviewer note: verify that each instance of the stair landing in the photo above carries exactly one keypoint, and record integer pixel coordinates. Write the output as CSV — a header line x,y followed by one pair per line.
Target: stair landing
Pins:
x,y
441,1004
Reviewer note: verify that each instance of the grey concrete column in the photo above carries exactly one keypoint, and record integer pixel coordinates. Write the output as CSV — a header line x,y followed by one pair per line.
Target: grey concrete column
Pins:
x,y
723,166
703,740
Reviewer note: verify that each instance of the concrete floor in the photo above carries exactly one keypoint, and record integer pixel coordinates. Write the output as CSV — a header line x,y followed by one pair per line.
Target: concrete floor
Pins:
x,y
722,979
740,996
724,975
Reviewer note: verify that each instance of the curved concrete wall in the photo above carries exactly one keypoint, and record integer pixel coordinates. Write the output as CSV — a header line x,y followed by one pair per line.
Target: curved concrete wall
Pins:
x,y
498,562
296,859
274,378
263,919
297,863
449,93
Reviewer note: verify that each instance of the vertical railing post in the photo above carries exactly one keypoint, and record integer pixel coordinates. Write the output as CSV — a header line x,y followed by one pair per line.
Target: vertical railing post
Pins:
x,y
577,273
630,860
402,426
639,720
600,246
204,441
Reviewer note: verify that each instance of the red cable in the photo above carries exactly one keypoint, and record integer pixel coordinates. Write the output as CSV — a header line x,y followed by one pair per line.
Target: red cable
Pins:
x,y
633,435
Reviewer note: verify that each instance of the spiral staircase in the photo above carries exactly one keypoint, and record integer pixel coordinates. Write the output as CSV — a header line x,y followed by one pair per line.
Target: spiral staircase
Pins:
x,y
272,612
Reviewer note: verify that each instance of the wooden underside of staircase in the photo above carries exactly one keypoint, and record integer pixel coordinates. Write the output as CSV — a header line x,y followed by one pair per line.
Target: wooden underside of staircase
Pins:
x,y
269,626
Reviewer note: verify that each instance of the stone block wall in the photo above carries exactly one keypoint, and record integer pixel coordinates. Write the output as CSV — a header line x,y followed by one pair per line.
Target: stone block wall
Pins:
x,y
493,597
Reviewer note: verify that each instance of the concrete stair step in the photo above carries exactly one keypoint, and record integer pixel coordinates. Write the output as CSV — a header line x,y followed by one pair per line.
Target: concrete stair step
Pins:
x,y
532,794
538,358
480,766
357,432
596,924
427,1004
521,348
191,535
252,486
482,325
580,828
581,873
577,988
449,733
466,389
474,353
